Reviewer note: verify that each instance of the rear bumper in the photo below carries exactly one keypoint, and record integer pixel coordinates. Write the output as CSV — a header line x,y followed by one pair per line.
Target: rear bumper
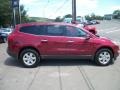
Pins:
x,y
10,53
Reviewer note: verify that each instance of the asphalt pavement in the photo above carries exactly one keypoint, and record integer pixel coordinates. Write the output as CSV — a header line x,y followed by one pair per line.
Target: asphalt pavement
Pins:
x,y
110,29
63,74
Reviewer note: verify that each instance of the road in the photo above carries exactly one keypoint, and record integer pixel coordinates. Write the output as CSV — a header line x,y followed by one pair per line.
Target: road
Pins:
x,y
62,74
110,29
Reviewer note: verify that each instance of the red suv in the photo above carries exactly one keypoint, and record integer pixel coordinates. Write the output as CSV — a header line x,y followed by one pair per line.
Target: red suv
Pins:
x,y
31,42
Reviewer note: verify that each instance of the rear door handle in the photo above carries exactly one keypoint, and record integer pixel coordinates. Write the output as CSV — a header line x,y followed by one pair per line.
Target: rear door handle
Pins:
x,y
70,41
44,41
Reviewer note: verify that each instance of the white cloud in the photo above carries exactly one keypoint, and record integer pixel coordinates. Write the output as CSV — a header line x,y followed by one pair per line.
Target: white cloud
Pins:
x,y
42,9
26,2
87,3
85,7
115,7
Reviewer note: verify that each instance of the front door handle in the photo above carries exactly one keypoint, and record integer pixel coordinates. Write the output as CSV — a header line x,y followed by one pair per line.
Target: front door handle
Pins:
x,y
44,41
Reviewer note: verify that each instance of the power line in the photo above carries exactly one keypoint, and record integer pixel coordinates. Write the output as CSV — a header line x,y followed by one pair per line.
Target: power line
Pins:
x,y
59,7
66,7
44,14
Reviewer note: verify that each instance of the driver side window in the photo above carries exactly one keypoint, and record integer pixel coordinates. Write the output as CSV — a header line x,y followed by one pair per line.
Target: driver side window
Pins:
x,y
75,32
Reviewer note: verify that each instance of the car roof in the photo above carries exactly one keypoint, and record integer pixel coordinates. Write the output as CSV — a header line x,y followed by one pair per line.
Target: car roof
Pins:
x,y
45,23
17,28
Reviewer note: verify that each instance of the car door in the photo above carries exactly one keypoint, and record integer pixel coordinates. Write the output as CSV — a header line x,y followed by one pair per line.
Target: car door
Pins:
x,y
77,44
54,42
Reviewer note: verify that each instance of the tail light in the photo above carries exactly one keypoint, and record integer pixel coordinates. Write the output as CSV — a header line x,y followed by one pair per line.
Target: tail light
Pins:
x,y
11,37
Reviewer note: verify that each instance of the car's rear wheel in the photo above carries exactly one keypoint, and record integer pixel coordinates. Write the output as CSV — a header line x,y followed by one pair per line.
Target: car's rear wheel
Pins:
x,y
103,57
29,58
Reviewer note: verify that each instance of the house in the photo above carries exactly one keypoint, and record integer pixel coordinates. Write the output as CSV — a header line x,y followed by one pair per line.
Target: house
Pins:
x,y
108,16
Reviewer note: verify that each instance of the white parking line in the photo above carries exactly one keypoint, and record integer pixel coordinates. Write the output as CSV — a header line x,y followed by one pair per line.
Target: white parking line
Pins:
x,y
113,31
108,29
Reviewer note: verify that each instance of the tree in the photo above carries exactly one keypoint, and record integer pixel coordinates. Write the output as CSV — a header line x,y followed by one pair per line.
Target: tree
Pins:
x,y
67,16
88,17
6,13
24,17
99,17
116,14
58,19
93,16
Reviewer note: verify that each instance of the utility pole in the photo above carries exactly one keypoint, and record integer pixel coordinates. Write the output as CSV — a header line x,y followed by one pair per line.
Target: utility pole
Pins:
x,y
14,17
74,10
19,10
15,4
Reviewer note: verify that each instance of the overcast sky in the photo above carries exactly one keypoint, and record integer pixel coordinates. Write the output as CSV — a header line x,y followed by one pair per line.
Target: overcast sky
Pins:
x,y
54,8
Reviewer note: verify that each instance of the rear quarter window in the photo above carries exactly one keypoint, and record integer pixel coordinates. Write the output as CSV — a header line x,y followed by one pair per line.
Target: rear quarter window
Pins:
x,y
36,30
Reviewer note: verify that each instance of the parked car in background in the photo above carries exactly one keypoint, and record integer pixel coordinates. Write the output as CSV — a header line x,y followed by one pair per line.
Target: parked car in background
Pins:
x,y
31,42
92,22
88,22
91,29
82,22
4,33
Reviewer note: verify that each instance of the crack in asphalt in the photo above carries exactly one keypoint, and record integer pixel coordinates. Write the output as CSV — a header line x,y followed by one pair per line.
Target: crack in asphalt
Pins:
x,y
85,77
29,86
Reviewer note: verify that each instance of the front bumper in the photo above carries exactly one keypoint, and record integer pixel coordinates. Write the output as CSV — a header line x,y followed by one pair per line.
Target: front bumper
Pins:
x,y
117,53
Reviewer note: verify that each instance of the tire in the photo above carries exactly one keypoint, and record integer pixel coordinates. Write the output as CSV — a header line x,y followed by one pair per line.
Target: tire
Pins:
x,y
103,57
0,40
4,40
29,58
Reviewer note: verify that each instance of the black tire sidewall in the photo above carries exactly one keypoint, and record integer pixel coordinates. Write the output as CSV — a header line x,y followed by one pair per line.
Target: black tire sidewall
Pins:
x,y
32,51
5,40
98,53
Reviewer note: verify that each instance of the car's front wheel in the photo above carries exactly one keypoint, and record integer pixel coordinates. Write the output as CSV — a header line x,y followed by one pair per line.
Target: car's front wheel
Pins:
x,y
103,57
29,58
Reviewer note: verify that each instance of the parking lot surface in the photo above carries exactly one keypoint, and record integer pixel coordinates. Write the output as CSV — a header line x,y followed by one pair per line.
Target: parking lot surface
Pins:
x,y
63,74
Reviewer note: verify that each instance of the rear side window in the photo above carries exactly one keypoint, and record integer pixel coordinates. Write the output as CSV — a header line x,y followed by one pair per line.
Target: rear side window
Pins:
x,y
36,30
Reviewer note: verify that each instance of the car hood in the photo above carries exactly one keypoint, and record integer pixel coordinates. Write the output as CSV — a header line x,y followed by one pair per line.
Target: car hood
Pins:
x,y
105,40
